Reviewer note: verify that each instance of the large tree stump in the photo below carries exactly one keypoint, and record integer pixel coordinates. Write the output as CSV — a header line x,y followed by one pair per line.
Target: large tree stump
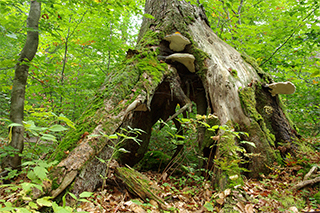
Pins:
x,y
153,80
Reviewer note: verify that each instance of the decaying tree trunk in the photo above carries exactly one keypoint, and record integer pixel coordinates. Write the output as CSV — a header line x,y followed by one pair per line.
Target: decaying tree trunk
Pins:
x,y
154,79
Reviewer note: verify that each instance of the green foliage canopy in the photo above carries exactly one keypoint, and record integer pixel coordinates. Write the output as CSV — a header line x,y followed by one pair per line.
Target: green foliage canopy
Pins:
x,y
80,43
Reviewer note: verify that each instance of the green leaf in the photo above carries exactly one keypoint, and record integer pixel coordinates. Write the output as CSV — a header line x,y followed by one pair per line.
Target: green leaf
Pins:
x,y
28,163
180,136
12,35
23,210
33,177
123,150
8,207
73,196
248,142
57,128
113,136
4,119
68,121
86,194
185,120
94,135
33,205
14,124
59,209
244,133
27,187
101,160
214,128
229,5
135,201
41,172
45,201
48,137
148,16
208,206
83,200
8,204
6,185
204,124
316,73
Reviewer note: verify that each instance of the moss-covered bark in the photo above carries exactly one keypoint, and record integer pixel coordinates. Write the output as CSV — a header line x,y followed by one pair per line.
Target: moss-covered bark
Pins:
x,y
140,185
268,125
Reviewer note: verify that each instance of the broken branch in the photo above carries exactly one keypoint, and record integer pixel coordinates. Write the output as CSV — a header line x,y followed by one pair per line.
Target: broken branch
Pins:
x,y
305,183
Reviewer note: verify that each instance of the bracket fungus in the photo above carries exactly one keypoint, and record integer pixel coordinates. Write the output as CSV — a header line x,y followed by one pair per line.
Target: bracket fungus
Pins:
x,y
136,105
281,88
177,41
183,58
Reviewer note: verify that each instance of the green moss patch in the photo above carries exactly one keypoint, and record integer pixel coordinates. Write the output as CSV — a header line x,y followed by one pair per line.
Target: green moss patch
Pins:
x,y
200,57
249,104
263,75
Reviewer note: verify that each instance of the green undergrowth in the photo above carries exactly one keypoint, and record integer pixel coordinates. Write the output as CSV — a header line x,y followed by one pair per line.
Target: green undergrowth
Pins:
x,y
272,193
153,161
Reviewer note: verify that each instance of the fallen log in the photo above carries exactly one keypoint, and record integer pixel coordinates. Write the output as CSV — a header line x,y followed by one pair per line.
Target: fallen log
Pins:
x,y
140,185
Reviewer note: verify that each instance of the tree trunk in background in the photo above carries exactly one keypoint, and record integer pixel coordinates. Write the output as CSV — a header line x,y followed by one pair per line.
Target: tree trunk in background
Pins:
x,y
148,87
19,82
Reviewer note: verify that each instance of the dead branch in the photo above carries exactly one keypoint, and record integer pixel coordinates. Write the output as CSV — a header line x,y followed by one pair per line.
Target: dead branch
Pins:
x,y
312,170
305,183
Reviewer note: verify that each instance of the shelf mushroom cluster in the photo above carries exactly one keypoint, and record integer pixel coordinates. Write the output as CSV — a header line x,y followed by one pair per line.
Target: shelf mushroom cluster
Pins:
x,y
178,43
281,88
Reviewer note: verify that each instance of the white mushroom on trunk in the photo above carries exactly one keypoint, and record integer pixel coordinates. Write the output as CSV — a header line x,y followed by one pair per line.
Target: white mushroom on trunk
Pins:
x,y
281,88
183,58
177,41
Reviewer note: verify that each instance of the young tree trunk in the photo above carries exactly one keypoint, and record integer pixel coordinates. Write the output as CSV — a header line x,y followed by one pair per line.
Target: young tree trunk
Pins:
x,y
19,82
152,82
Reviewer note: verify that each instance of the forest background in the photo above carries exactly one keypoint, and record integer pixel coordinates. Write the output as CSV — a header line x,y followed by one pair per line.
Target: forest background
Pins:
x,y
82,41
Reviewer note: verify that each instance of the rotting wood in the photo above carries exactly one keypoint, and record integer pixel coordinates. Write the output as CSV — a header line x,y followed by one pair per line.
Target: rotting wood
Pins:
x,y
65,183
140,185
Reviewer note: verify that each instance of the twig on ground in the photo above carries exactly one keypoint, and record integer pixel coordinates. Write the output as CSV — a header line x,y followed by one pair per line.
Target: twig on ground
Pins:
x,y
305,183
312,170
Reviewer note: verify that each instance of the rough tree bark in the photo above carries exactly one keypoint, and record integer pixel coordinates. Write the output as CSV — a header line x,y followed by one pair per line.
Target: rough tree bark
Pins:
x,y
149,85
19,82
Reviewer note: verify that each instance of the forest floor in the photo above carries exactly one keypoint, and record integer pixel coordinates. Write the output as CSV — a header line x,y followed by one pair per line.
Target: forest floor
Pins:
x,y
276,192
